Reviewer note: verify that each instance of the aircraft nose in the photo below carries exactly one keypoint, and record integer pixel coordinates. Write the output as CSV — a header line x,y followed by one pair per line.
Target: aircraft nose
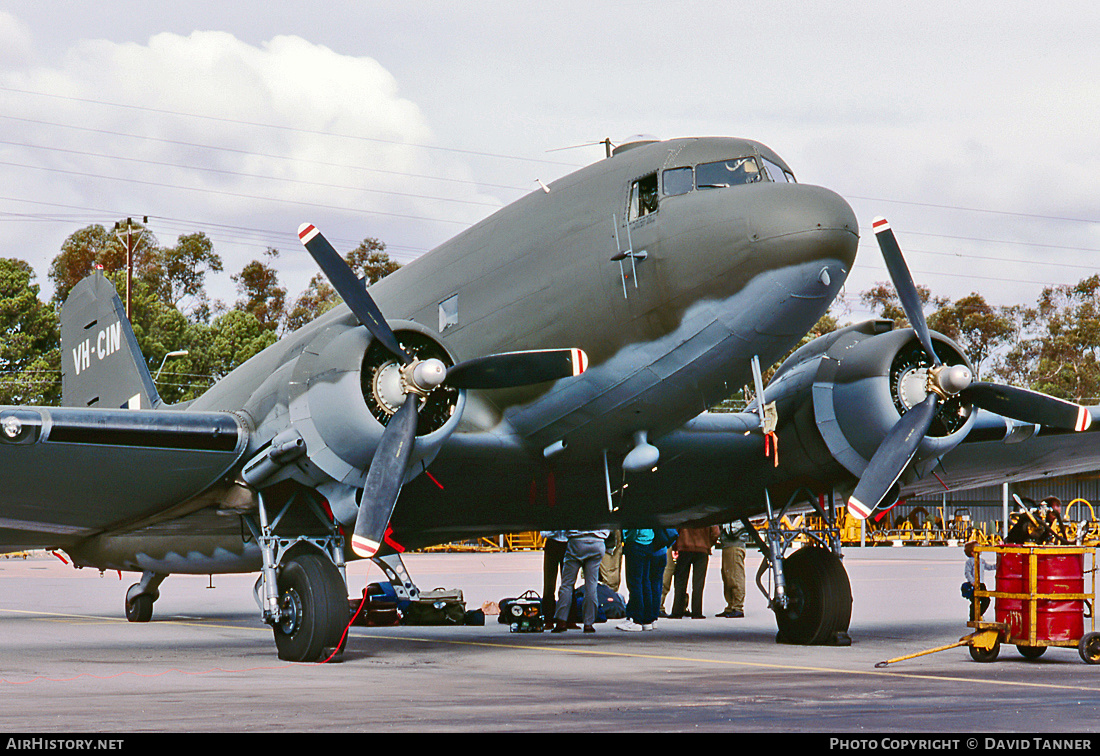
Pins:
x,y
804,221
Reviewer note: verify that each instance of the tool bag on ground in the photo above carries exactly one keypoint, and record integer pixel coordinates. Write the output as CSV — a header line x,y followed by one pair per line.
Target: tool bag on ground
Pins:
x,y
441,606
378,608
523,614
609,605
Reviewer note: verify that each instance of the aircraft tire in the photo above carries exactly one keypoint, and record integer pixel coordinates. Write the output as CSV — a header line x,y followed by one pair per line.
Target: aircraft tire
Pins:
x,y
314,605
140,608
820,596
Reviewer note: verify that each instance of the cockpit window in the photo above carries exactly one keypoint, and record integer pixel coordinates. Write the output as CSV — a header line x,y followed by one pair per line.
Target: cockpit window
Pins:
x,y
728,173
643,197
678,181
776,172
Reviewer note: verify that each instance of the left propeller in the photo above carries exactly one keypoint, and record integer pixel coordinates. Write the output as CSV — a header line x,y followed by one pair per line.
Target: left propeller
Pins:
x,y
942,382
390,464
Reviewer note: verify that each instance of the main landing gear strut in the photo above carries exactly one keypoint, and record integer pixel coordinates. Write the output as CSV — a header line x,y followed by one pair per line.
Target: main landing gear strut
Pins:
x,y
302,590
810,593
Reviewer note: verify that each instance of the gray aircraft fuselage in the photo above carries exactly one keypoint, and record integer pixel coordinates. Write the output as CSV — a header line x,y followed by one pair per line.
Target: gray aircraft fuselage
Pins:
x,y
719,274
728,273
715,272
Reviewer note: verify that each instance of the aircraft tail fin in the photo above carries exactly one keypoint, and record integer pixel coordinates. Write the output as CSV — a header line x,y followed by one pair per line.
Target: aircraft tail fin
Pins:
x,y
101,364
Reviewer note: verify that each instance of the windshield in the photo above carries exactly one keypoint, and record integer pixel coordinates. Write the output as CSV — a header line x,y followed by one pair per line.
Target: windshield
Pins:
x,y
776,172
725,173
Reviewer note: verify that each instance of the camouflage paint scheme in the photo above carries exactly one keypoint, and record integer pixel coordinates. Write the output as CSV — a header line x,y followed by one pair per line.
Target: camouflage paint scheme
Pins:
x,y
727,273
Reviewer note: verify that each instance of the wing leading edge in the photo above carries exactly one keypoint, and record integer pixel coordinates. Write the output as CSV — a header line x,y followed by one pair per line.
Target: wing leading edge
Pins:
x,y
69,473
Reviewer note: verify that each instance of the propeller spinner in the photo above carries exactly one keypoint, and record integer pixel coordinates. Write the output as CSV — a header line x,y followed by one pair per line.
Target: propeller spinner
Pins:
x,y
417,378
942,383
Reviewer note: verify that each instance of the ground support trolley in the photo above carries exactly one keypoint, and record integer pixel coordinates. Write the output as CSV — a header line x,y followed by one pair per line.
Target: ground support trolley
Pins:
x,y
1040,601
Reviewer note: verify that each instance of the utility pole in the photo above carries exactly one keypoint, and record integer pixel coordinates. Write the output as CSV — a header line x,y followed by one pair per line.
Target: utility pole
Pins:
x,y
129,242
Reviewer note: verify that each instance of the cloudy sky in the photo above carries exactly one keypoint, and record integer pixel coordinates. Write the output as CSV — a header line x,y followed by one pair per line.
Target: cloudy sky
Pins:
x,y
973,126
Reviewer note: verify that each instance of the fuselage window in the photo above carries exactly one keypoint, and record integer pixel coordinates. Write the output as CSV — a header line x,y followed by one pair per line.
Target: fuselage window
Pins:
x,y
678,181
728,173
776,172
643,197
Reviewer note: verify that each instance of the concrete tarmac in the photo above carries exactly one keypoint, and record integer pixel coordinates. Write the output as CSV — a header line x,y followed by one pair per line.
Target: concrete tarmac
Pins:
x,y
70,662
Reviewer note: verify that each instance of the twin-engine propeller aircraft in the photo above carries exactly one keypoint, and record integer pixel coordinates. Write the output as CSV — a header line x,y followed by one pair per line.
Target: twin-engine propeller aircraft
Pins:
x,y
548,368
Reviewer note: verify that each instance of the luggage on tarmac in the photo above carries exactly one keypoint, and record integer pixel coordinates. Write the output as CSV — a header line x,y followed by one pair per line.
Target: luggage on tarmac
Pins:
x,y
441,606
523,614
609,605
379,609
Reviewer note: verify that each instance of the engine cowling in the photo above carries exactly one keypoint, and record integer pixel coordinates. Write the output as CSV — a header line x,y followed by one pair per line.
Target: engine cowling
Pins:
x,y
843,393
340,393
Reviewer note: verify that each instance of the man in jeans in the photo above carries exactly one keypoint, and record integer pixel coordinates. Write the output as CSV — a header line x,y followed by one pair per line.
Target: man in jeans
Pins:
x,y
585,549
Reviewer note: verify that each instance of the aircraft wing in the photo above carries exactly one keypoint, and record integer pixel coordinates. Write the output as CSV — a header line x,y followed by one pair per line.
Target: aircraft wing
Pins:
x,y
998,450
68,473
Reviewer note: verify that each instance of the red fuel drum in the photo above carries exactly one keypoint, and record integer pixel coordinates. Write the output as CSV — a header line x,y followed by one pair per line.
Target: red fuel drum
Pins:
x,y
1055,619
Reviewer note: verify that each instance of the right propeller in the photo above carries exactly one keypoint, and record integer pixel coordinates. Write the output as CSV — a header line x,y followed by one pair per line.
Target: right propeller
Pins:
x,y
943,382
413,380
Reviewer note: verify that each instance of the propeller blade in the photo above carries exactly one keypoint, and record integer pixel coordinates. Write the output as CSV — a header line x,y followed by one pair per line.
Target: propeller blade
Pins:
x,y
1028,406
384,479
891,458
349,287
517,368
903,283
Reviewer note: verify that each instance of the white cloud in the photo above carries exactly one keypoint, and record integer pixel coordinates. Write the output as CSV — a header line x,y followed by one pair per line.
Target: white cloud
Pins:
x,y
16,47
219,132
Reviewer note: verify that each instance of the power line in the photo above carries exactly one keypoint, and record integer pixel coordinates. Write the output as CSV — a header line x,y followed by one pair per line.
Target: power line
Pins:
x,y
246,153
240,174
1035,216
239,195
244,235
281,127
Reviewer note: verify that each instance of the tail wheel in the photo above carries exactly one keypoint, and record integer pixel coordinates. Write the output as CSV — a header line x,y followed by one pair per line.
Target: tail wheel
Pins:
x,y
140,608
819,598
313,607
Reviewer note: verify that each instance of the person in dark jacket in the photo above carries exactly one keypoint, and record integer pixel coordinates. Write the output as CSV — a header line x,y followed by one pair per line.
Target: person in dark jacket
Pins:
x,y
693,547
552,556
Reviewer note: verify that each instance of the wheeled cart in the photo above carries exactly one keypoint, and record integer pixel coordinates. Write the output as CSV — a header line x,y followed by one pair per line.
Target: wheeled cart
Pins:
x,y
1041,601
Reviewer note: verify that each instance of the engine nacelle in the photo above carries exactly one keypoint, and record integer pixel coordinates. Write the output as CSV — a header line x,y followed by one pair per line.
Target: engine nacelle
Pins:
x,y
842,393
339,393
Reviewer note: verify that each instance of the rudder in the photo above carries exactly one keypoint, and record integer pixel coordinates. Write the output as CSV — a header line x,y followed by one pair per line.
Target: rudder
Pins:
x,y
101,364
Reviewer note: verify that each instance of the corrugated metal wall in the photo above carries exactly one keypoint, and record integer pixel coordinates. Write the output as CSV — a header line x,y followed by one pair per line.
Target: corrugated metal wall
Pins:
x,y
986,504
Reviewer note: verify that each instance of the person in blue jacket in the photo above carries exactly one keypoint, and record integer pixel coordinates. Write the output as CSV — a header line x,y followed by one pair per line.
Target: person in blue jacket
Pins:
x,y
645,564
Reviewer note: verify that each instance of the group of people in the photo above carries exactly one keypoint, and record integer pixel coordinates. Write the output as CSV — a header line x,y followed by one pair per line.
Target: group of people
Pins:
x,y
656,560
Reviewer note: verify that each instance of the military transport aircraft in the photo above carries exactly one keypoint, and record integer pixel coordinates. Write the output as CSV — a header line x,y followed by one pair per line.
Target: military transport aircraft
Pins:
x,y
549,367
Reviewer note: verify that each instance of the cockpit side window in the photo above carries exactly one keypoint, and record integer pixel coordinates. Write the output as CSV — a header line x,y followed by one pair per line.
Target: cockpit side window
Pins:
x,y
643,197
725,173
776,172
678,181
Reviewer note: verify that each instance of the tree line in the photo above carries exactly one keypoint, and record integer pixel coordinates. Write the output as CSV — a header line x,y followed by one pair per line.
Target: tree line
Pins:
x,y
170,309
1052,346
